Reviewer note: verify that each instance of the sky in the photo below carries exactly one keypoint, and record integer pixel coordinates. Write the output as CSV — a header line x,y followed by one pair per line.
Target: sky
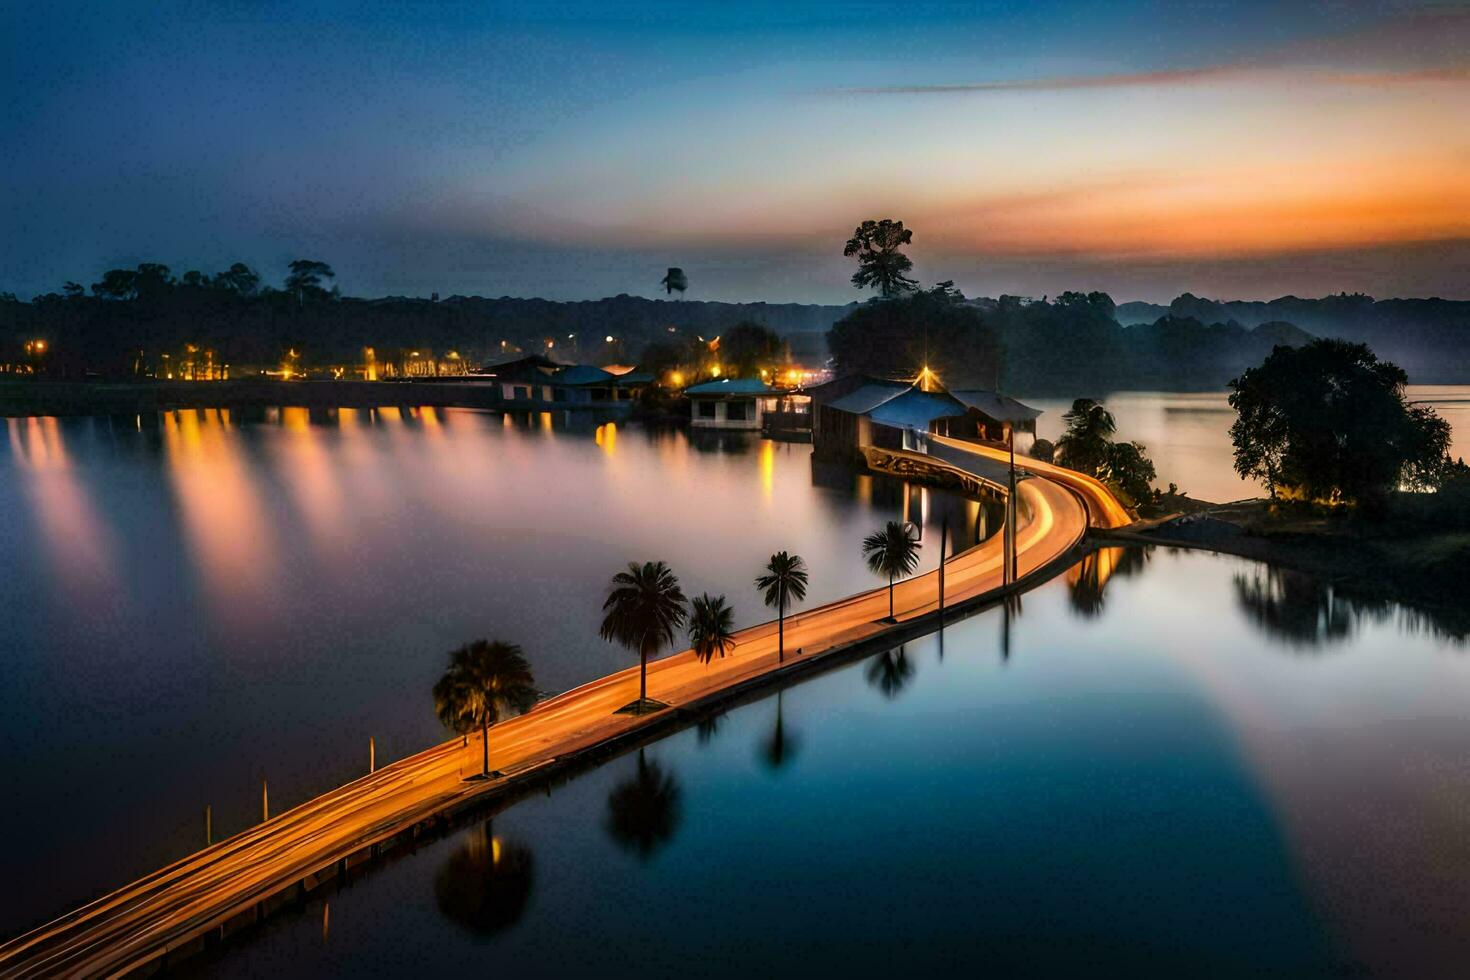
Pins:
x,y
576,150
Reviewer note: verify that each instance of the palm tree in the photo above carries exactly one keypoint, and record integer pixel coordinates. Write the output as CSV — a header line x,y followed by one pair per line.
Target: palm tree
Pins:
x,y
487,682
784,582
711,627
893,551
643,609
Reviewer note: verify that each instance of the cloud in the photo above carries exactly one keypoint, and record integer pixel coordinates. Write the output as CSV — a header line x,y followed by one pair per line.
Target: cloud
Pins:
x,y
1170,77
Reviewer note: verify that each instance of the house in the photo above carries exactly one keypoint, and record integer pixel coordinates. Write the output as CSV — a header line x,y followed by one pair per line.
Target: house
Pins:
x,y
727,403
901,415
535,381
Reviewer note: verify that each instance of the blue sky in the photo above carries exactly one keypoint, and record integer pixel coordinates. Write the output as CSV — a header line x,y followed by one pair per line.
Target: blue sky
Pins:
x,y
575,150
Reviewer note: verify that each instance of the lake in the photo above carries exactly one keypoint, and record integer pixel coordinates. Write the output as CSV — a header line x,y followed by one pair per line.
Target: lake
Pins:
x,y
1188,433
197,602
1163,762
1093,786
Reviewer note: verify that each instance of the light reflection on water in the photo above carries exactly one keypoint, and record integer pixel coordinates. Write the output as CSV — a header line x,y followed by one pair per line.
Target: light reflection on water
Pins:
x,y
202,599
1150,784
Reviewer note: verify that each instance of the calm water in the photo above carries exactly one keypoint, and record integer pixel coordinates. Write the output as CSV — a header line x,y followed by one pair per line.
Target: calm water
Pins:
x,y
195,603
1166,763
1285,793
1188,434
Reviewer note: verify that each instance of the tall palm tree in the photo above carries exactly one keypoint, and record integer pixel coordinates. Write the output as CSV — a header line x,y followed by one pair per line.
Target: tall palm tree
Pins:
x,y
486,682
643,609
711,626
893,551
783,583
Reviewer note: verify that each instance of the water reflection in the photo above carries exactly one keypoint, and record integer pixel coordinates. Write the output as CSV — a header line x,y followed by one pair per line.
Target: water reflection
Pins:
x,y
1087,580
485,885
643,812
779,748
890,672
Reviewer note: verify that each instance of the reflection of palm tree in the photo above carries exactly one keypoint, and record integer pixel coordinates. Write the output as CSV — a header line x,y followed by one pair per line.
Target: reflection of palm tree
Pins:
x,y
486,683
484,886
643,609
890,672
780,748
711,627
783,583
1087,580
643,812
894,552
1293,606
708,728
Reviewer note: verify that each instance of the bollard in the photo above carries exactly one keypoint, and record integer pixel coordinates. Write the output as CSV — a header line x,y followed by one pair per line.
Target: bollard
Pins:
x,y
265,801
208,826
372,756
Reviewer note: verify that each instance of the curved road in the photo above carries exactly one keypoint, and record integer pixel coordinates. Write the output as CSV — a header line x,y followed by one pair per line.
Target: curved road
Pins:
x,y
173,907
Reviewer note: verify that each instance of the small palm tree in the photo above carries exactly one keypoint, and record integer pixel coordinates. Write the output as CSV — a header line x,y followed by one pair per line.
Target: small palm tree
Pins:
x,y
893,551
783,583
486,682
643,609
711,627
1086,443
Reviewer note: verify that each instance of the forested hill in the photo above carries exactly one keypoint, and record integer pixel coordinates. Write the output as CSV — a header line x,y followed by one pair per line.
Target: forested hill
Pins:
x,y
105,335
1429,338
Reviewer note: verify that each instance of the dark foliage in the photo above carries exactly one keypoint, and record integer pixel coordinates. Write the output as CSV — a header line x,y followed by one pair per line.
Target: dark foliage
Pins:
x,y
899,337
1328,421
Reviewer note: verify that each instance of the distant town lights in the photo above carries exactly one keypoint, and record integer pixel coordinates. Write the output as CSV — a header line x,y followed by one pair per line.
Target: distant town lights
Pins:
x,y
608,338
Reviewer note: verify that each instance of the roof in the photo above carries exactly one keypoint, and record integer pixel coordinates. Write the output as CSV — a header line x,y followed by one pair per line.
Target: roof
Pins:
x,y
868,397
634,378
1002,408
915,409
730,386
582,374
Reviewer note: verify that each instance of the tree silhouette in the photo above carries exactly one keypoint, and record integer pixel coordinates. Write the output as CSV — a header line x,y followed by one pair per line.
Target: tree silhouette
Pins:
x,y
674,279
1090,427
643,812
486,682
894,552
485,885
880,263
643,609
782,583
711,627
1329,421
306,278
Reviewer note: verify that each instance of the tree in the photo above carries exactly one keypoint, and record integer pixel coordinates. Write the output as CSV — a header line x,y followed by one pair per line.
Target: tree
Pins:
x,y
880,263
1329,421
117,284
711,627
890,672
783,582
643,609
1090,427
674,279
1128,469
933,328
486,682
748,348
239,279
306,279
894,552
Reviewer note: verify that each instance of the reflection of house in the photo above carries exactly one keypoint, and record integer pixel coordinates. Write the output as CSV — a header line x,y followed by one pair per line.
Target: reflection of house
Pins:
x,y
728,403
855,412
